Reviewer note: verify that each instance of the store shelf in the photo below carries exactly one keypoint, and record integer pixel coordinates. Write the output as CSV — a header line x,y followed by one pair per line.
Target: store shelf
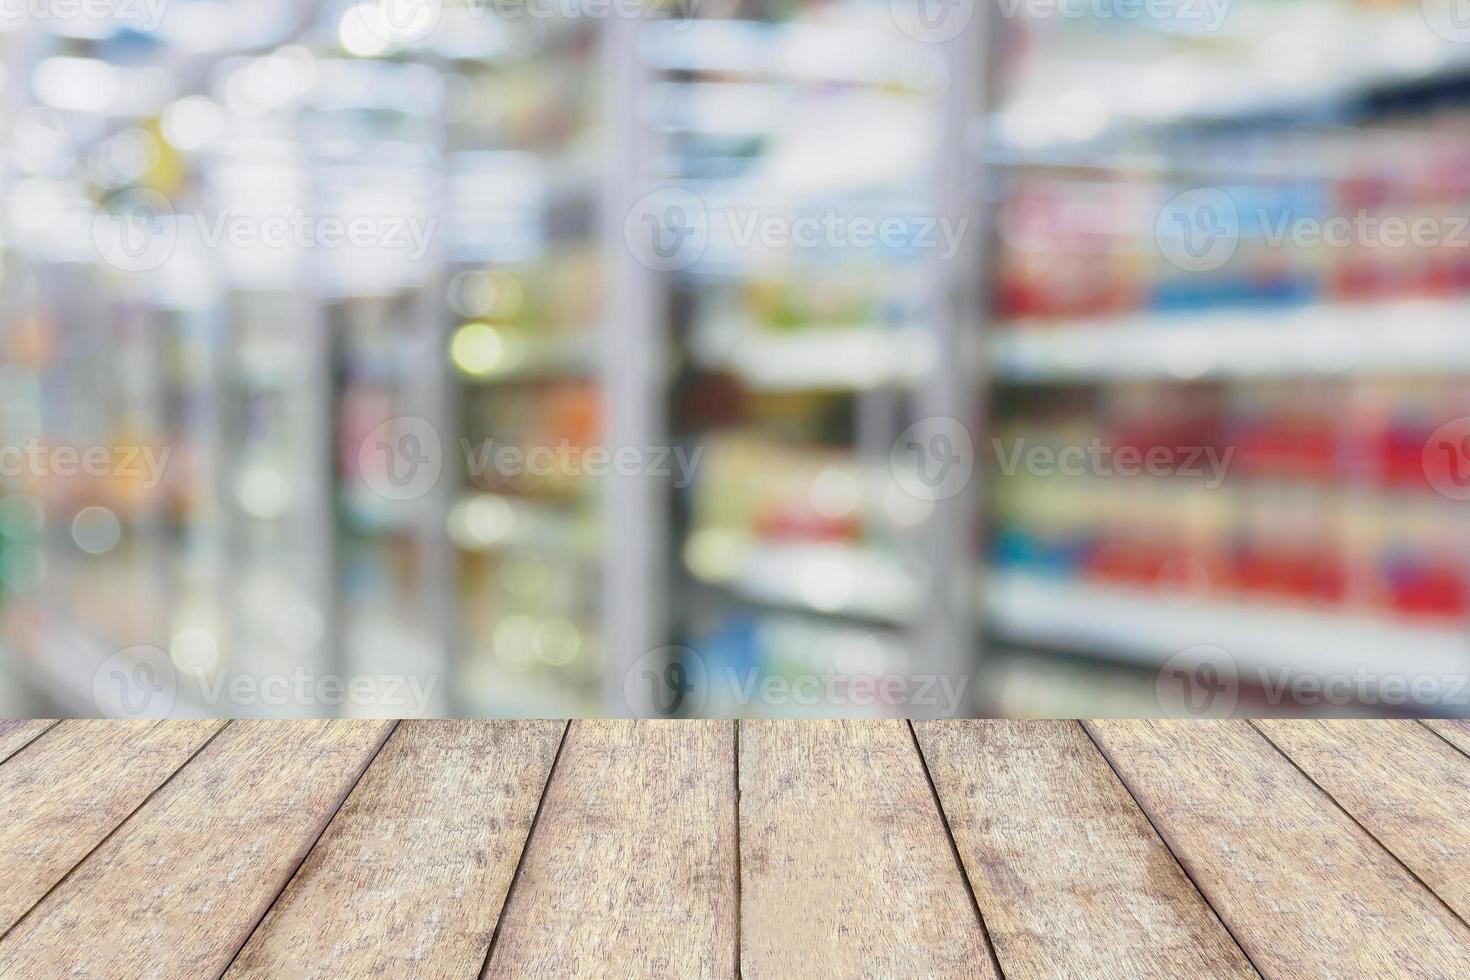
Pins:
x,y
1410,337
818,357
490,522
1264,63
497,693
1135,626
791,51
63,662
832,579
526,358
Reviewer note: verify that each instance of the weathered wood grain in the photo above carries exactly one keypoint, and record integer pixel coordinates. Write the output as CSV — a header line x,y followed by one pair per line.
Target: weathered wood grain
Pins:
x,y
71,789
630,870
17,733
846,868
1457,733
1401,782
179,887
409,879
1304,889
1066,868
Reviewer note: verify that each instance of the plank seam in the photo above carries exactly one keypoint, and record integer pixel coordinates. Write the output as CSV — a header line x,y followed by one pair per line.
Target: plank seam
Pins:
x,y
739,872
109,835
1371,836
1440,735
954,850
1168,846
30,741
515,878
306,851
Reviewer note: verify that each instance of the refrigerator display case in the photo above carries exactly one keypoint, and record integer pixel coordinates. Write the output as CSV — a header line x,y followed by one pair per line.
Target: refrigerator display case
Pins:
x,y
1115,303
526,314
800,345
1192,287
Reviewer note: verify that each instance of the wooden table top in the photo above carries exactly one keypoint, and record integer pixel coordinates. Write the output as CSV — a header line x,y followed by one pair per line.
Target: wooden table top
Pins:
x,y
699,849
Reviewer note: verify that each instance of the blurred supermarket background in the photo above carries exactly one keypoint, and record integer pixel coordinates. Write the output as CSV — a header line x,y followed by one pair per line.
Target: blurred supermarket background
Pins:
x,y
1147,395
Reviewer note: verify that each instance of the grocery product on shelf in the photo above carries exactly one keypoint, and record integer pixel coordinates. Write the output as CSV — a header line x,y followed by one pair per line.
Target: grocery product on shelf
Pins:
x,y
272,371
525,301
1312,214
801,342
1272,491
1236,317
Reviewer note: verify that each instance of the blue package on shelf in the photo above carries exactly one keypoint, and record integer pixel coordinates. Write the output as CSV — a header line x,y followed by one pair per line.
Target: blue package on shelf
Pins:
x,y
1189,294
1017,549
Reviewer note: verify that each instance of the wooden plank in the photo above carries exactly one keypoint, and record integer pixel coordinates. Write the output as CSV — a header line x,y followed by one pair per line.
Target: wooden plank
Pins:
x,y
1302,887
178,888
409,878
846,868
1402,782
1065,866
1457,733
630,870
17,733
72,788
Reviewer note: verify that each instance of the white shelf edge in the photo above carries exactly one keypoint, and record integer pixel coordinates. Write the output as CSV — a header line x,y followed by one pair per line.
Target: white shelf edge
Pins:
x,y
1421,336
1133,625
838,580
836,357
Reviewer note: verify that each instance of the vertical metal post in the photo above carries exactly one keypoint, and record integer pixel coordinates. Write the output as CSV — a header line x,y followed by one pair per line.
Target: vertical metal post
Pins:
x,y
635,518
433,399
946,636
